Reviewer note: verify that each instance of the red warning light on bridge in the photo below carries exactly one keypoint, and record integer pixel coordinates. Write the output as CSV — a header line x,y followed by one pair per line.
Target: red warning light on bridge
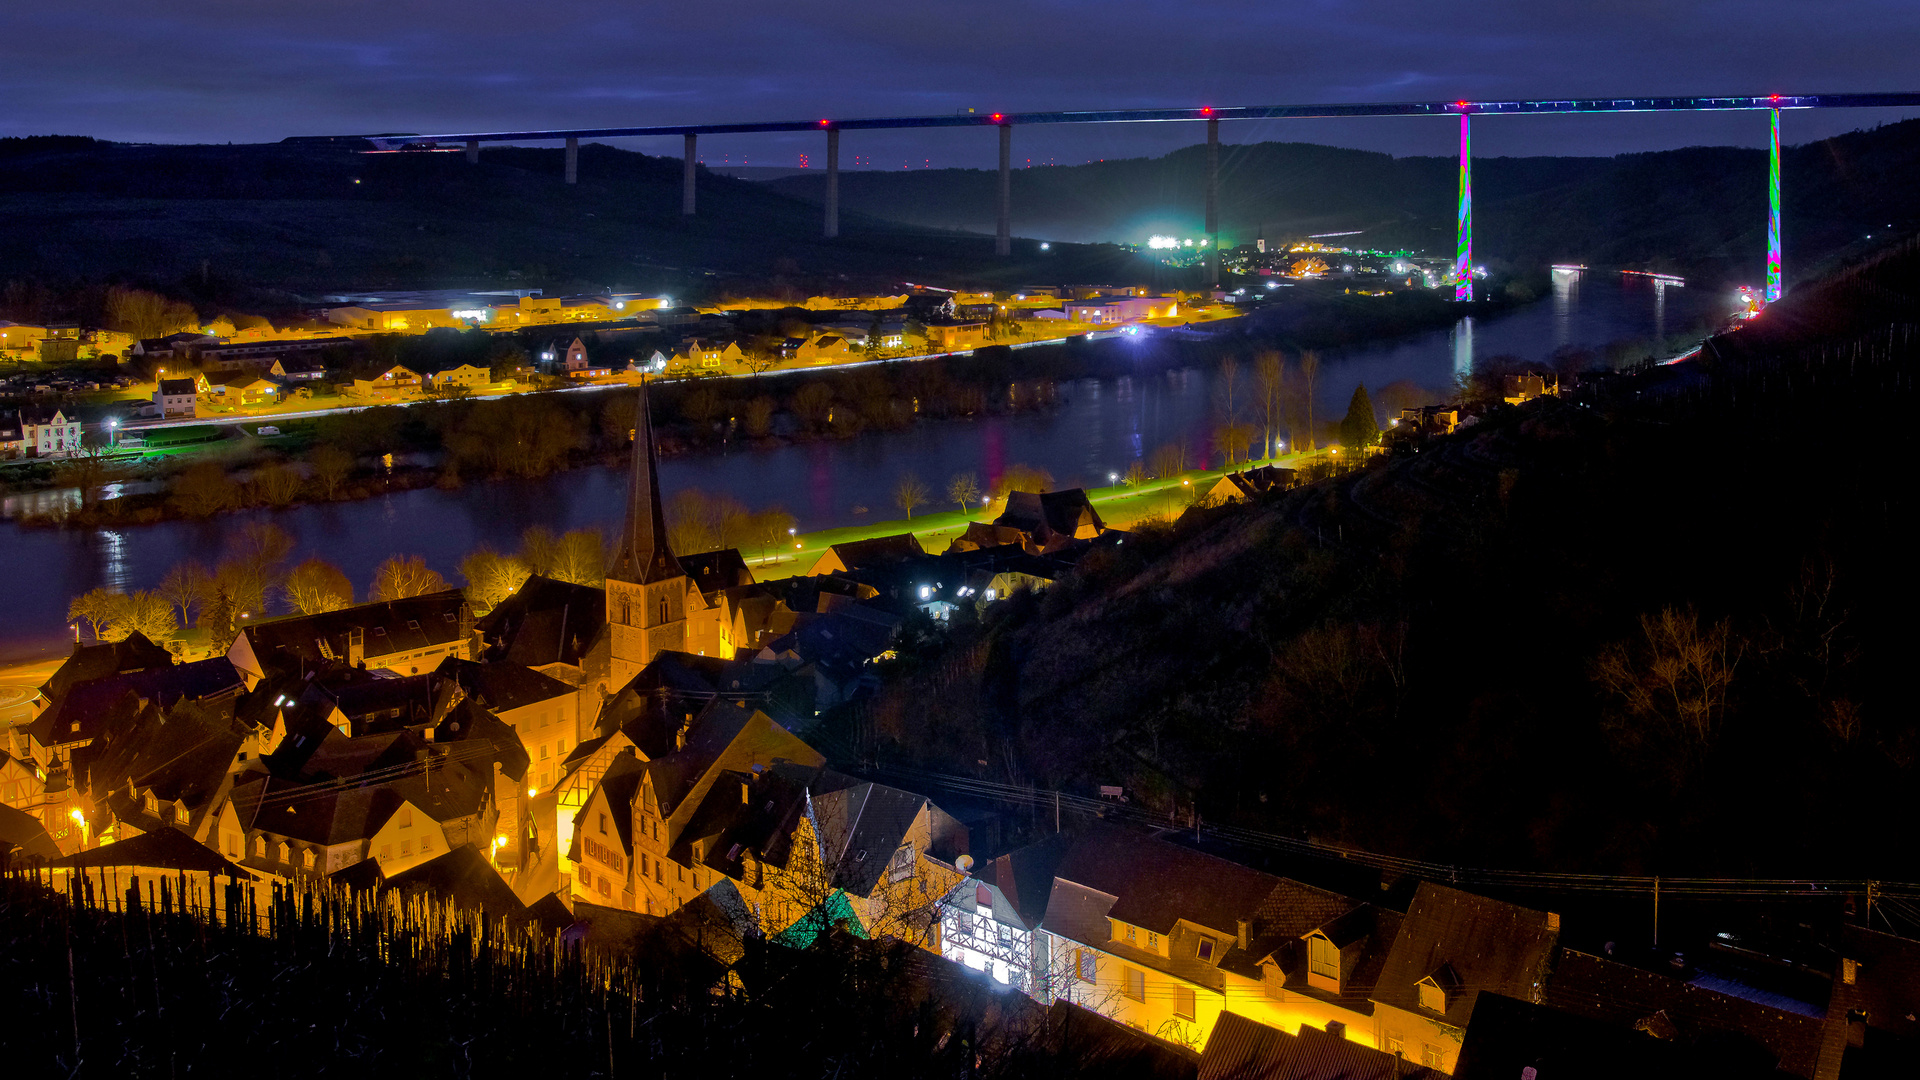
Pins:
x,y
997,117
823,123
1206,110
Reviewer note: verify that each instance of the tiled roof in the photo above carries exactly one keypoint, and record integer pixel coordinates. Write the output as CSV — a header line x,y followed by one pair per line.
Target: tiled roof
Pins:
x,y
1098,1046
1158,883
1491,945
390,626
1632,998
1239,1048
95,705
545,622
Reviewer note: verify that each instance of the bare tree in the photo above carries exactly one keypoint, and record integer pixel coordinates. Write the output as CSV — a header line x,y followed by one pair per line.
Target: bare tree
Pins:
x,y
402,576
964,489
276,484
331,467
1676,677
1233,440
1269,376
317,586
690,525
203,490
1022,478
115,615
88,469
1135,475
1309,369
185,585
580,558
538,549
1169,461
491,577
910,492
772,527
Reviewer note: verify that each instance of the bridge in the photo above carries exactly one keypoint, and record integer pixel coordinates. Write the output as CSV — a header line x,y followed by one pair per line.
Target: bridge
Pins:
x,y
1772,104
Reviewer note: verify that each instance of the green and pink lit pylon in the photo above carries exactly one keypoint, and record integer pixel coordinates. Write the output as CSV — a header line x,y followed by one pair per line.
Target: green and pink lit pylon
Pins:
x,y
1773,213
1463,253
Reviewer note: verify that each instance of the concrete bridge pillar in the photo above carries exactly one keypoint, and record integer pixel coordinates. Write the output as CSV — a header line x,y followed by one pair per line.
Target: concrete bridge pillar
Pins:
x,y
1773,214
1213,201
573,159
473,151
1003,224
833,182
686,176
1463,250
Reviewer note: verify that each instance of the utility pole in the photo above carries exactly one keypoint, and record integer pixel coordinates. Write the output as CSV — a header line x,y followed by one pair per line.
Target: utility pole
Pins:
x,y
1656,912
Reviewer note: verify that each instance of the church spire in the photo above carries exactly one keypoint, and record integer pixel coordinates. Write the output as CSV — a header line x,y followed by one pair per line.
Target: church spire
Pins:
x,y
643,556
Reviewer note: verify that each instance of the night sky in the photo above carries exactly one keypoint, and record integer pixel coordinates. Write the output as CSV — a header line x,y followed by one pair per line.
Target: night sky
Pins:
x,y
259,70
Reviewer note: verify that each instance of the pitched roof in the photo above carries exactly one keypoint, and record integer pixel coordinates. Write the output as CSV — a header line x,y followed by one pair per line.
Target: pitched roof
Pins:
x,y
502,687
878,551
162,849
1157,883
90,708
89,662
643,556
1025,876
465,879
23,832
1489,944
1050,514
1511,1038
1239,1048
711,570
1096,1045
1631,998
860,825
545,622
387,626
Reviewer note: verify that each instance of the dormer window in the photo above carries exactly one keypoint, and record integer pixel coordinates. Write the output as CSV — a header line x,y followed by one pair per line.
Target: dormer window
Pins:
x,y
1437,989
1323,963
1203,950
1432,997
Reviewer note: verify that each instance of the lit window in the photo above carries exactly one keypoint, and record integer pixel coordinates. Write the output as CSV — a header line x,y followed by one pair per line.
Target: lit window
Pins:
x,y
1432,1056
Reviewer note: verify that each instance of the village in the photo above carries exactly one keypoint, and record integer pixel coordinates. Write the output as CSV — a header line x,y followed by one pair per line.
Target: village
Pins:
x,y
670,748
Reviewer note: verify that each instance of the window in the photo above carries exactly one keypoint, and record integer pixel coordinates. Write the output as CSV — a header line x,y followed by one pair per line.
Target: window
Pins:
x,y
306,858
643,864
1130,935
386,852
1323,960
983,897
406,847
1153,941
1134,983
1084,966
1432,997
1432,1056
901,866
603,824
1183,1002
1396,1043
659,878
426,843
406,817
1203,949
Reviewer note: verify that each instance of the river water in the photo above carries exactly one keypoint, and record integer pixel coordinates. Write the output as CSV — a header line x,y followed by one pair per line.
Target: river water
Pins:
x,y
1102,425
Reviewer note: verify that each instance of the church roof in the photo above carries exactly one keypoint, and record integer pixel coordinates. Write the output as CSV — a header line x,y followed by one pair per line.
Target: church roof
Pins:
x,y
643,556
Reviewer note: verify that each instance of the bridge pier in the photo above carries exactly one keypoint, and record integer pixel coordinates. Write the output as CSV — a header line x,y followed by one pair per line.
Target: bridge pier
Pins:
x,y
833,182
686,176
1773,213
1213,201
473,151
1003,224
1463,249
573,159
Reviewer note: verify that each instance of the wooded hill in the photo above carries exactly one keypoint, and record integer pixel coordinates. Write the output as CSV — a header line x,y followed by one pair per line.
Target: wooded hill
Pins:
x,y
1697,207
199,219
1663,628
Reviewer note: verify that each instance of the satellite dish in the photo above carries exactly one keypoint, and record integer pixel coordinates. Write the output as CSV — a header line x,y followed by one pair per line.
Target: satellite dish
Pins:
x,y
964,864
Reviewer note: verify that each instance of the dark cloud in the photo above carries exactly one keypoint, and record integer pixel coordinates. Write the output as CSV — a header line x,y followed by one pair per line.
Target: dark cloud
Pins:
x,y
241,70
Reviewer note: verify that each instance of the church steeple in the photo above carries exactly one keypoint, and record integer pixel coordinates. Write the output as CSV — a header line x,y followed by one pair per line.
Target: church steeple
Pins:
x,y
643,557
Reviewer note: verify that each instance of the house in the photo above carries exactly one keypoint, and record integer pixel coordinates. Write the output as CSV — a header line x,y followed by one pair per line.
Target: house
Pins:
x,y
393,317
83,711
403,636
707,353
28,787
1633,999
172,345
1097,1046
1167,939
989,921
746,807
1237,486
13,435
1873,1014
861,554
1051,520
542,711
1112,311
1452,948
1429,420
393,381
467,375
557,629
243,387
957,336
824,349
1516,389
1512,1037
1241,1048
50,433
174,398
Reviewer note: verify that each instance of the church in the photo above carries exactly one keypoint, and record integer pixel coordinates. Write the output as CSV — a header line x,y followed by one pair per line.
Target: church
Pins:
x,y
653,605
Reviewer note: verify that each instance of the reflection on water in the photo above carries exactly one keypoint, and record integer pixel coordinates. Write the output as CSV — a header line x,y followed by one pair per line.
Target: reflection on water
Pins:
x,y
53,502
1463,347
1100,428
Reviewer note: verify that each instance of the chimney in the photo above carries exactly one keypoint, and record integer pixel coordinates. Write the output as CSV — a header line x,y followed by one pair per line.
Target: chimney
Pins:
x,y
1246,935
1553,921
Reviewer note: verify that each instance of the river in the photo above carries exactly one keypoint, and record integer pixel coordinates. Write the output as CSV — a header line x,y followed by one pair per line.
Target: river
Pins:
x,y
1102,425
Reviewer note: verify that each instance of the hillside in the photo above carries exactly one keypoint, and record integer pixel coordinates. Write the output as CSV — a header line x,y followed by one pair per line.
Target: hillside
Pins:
x,y
1461,655
1698,207
307,219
